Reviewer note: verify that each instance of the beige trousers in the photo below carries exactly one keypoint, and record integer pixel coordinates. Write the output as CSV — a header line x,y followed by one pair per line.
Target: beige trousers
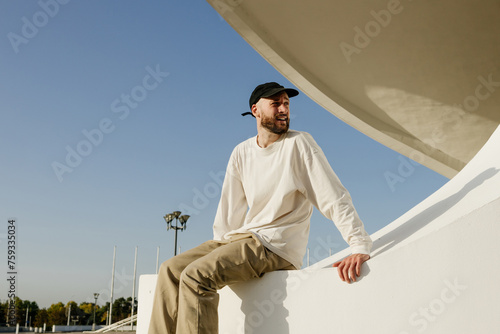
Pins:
x,y
186,298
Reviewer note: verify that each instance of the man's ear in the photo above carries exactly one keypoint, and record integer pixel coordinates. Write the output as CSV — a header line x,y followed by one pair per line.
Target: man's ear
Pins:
x,y
254,110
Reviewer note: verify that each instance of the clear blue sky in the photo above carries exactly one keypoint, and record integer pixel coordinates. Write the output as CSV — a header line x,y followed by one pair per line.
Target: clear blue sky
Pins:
x,y
163,140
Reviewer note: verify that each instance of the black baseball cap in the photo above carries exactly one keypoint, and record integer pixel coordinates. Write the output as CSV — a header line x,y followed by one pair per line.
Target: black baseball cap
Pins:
x,y
268,89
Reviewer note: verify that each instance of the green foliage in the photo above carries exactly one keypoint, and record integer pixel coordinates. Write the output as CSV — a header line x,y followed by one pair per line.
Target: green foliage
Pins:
x,y
42,317
24,310
57,314
3,313
121,309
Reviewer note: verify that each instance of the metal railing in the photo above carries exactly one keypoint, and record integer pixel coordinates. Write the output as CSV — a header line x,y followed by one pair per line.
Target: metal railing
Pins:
x,y
116,325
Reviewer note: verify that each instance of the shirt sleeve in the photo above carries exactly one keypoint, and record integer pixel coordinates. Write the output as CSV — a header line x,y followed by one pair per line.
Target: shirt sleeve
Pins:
x,y
233,205
325,191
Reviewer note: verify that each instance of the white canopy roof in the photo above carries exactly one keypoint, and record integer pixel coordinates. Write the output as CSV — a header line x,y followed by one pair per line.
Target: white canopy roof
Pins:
x,y
421,77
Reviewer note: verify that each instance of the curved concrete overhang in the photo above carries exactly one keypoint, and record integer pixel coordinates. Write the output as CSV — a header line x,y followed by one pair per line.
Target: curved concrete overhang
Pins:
x,y
421,77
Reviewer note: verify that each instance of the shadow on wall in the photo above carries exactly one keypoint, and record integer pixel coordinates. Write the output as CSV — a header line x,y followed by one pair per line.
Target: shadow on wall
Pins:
x,y
262,300
425,217
262,304
264,311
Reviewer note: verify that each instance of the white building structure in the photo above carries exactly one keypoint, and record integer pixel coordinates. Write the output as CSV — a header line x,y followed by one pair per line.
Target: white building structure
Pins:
x,y
423,78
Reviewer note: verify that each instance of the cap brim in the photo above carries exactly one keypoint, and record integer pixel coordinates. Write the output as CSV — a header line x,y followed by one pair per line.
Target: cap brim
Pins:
x,y
289,91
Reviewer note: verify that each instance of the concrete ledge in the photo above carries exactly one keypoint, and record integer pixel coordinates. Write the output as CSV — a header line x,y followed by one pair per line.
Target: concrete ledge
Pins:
x,y
147,286
433,269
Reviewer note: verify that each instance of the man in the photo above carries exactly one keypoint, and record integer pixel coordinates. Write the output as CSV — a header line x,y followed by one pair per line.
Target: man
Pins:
x,y
272,182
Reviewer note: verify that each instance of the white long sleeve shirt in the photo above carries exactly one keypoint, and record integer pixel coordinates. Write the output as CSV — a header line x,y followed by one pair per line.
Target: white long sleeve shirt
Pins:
x,y
271,192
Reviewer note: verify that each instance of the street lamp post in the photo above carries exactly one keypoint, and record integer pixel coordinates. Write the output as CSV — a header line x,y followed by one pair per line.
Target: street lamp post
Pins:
x,y
96,295
178,219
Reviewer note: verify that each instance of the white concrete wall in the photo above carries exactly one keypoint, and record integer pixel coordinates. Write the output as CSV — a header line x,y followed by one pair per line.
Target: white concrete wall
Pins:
x,y
433,270
147,285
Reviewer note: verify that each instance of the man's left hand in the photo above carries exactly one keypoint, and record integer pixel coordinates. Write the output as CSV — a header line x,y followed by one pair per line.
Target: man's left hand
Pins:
x,y
350,267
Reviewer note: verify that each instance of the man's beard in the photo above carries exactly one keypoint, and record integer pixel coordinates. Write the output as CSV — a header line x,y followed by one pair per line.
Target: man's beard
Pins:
x,y
270,124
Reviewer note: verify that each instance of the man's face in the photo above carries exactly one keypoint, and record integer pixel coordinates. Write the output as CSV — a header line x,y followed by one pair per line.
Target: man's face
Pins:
x,y
274,113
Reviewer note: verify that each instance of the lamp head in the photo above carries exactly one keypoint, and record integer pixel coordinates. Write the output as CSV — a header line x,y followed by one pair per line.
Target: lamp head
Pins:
x,y
168,218
183,220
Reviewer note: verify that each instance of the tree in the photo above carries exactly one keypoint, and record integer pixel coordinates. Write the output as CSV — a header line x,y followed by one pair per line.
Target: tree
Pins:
x,y
103,314
121,309
57,314
16,311
100,315
77,316
19,307
3,313
29,311
87,313
42,317
87,308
